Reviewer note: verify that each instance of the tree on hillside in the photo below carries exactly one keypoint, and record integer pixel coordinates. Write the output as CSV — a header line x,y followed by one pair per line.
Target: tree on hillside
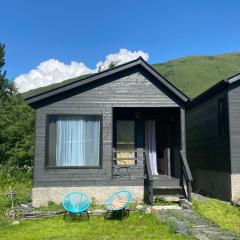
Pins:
x,y
16,123
6,87
16,132
112,64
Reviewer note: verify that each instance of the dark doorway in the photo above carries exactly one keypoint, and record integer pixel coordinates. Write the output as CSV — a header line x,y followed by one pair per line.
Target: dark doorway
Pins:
x,y
167,134
162,149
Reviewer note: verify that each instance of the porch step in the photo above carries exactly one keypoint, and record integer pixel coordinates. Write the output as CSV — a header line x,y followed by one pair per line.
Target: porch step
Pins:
x,y
169,198
167,187
163,181
167,191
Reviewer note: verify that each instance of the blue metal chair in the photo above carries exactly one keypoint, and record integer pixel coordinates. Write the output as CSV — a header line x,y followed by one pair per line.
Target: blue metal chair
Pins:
x,y
118,203
76,203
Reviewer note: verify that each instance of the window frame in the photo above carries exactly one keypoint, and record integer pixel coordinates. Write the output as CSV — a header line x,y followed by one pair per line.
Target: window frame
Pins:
x,y
46,161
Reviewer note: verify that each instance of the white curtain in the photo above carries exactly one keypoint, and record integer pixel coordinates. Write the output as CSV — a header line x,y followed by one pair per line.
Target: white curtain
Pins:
x,y
150,142
78,141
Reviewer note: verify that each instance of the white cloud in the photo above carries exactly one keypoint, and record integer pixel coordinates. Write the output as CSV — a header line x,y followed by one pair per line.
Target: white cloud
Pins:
x,y
49,72
54,71
119,58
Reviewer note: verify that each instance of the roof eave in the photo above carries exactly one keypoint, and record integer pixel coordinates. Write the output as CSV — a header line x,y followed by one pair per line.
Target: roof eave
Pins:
x,y
83,81
139,61
169,85
215,89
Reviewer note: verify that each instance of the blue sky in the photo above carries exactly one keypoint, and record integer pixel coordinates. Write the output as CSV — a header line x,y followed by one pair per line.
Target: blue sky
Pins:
x,y
87,31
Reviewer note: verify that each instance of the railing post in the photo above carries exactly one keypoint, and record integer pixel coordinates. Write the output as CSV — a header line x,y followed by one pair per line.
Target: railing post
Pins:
x,y
151,192
186,177
181,173
140,155
189,187
168,156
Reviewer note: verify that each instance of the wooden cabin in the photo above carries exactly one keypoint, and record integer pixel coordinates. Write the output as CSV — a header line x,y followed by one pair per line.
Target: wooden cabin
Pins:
x,y
123,128
213,140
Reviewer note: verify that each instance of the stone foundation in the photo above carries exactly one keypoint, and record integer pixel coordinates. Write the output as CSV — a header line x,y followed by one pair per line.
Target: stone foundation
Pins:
x,y
42,195
235,183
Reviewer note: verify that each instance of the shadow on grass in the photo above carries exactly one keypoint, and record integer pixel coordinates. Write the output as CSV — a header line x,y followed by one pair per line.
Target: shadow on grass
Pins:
x,y
69,217
117,215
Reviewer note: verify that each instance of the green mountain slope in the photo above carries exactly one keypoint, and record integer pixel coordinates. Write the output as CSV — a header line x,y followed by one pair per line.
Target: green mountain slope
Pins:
x,y
52,86
192,75
196,74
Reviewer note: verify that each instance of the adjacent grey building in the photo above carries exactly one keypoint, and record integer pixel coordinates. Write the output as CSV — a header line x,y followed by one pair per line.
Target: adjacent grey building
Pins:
x,y
213,140
108,132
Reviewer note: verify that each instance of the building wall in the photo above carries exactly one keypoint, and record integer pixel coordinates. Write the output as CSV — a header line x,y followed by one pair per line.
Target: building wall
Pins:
x,y
234,123
212,183
133,90
207,151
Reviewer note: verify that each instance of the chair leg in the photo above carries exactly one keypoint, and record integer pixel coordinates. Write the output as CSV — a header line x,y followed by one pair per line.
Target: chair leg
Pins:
x,y
106,216
87,215
67,217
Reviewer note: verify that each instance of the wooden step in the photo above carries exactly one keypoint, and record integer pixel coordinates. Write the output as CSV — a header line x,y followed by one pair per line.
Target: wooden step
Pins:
x,y
169,198
167,191
160,187
163,181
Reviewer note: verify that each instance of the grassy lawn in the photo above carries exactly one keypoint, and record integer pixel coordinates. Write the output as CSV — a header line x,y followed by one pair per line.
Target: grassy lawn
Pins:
x,y
17,181
221,213
137,226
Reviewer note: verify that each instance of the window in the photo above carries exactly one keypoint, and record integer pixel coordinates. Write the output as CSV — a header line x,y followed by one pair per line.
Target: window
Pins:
x,y
125,135
125,142
221,117
73,141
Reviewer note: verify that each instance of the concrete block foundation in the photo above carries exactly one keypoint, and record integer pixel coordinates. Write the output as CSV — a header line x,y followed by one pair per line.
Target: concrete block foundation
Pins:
x,y
42,195
235,184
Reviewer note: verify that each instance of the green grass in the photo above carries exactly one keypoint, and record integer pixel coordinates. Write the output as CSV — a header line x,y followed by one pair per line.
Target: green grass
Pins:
x,y
161,201
221,213
137,226
19,181
192,75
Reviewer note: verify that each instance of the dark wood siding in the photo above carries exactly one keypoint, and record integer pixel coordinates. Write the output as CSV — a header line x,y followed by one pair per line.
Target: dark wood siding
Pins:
x,y
234,123
129,91
206,148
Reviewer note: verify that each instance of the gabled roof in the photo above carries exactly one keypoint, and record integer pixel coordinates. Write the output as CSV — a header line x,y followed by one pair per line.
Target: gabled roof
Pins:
x,y
33,100
223,84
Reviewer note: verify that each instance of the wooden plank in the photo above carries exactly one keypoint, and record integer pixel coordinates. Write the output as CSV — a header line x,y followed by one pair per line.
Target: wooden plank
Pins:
x,y
206,149
234,124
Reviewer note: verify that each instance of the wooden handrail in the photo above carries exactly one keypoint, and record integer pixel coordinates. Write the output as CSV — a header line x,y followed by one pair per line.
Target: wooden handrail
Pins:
x,y
186,166
149,179
186,177
135,151
126,159
138,155
149,171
